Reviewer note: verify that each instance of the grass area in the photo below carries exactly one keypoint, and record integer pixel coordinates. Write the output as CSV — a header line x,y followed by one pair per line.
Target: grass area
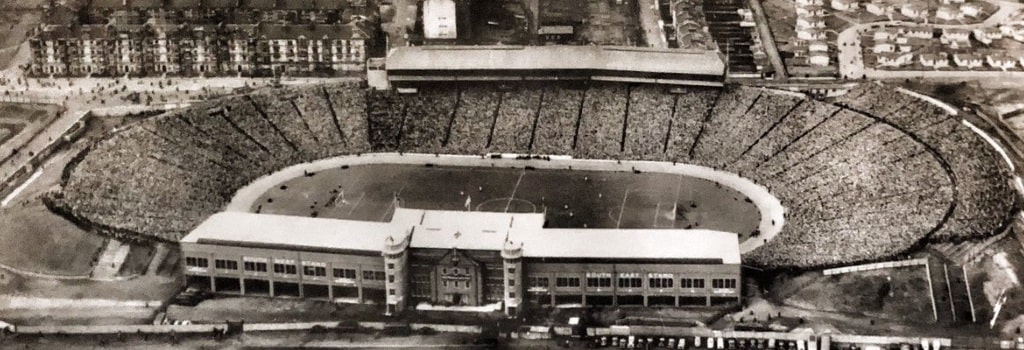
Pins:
x,y
781,20
171,266
15,27
571,199
139,256
253,309
894,294
8,130
139,288
34,239
27,113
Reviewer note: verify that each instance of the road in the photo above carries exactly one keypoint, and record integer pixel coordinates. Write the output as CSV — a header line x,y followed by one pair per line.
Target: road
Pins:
x,y
649,16
768,40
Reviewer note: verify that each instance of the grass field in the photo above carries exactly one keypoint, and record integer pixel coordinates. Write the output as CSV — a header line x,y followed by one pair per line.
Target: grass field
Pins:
x,y
33,239
571,198
16,118
895,294
8,129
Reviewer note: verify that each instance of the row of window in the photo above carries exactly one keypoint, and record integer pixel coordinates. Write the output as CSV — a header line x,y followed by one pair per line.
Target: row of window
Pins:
x,y
283,268
630,282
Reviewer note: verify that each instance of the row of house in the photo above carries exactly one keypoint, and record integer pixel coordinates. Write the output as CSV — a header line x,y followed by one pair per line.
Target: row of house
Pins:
x,y
685,25
191,50
811,46
215,11
938,60
202,37
949,10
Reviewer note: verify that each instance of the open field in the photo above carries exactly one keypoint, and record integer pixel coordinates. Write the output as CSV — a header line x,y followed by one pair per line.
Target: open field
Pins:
x,y
33,239
7,130
15,28
571,199
268,310
895,294
781,16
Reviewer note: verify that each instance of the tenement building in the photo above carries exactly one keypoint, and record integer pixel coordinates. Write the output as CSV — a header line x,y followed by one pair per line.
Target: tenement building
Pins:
x,y
203,38
485,260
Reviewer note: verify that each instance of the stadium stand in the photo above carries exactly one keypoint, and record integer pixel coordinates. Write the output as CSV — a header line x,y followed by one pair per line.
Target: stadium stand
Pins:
x,y
863,177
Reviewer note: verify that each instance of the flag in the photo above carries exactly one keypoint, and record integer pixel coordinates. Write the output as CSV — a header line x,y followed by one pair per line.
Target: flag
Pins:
x,y
469,200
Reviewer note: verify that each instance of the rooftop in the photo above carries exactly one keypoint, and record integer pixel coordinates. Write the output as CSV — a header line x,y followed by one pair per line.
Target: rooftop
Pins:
x,y
631,244
466,230
292,231
553,57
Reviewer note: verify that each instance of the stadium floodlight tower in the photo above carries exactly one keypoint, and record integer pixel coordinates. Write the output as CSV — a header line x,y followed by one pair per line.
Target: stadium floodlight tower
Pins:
x,y
395,257
512,257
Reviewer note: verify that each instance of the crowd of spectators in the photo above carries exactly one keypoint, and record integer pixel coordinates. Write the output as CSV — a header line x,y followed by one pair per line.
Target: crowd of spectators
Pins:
x,y
601,124
513,127
650,122
692,109
557,120
474,120
860,182
981,178
427,117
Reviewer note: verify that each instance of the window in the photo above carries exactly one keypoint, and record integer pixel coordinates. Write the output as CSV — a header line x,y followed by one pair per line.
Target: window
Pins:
x,y
391,278
345,273
391,292
511,294
511,282
631,282
511,270
391,266
255,266
225,264
373,275
197,262
660,282
315,271
598,282
729,283
571,282
538,282
691,283
287,269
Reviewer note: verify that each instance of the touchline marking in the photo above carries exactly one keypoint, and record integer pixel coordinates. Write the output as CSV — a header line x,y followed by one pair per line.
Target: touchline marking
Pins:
x,y
514,189
657,211
622,208
354,206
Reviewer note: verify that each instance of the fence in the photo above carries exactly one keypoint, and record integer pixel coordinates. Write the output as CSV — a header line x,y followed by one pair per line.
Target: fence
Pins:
x,y
33,100
806,340
874,266
209,327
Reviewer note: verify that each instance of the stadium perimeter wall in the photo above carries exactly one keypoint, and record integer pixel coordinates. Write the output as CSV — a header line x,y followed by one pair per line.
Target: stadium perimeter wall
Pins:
x,y
771,209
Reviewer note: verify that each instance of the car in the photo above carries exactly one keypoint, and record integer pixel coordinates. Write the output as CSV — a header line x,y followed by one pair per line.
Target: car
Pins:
x,y
191,296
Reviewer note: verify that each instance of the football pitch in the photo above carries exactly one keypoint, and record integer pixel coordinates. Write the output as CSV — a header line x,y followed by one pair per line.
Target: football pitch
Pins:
x,y
569,198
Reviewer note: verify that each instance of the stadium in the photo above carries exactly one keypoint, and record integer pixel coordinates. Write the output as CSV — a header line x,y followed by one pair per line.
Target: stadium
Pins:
x,y
866,176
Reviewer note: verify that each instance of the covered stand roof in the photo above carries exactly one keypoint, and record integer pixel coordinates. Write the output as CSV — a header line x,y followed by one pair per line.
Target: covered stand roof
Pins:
x,y
553,57
282,231
440,229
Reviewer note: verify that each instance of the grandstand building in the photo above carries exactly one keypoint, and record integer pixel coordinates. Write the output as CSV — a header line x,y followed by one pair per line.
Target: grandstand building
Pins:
x,y
409,65
455,258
